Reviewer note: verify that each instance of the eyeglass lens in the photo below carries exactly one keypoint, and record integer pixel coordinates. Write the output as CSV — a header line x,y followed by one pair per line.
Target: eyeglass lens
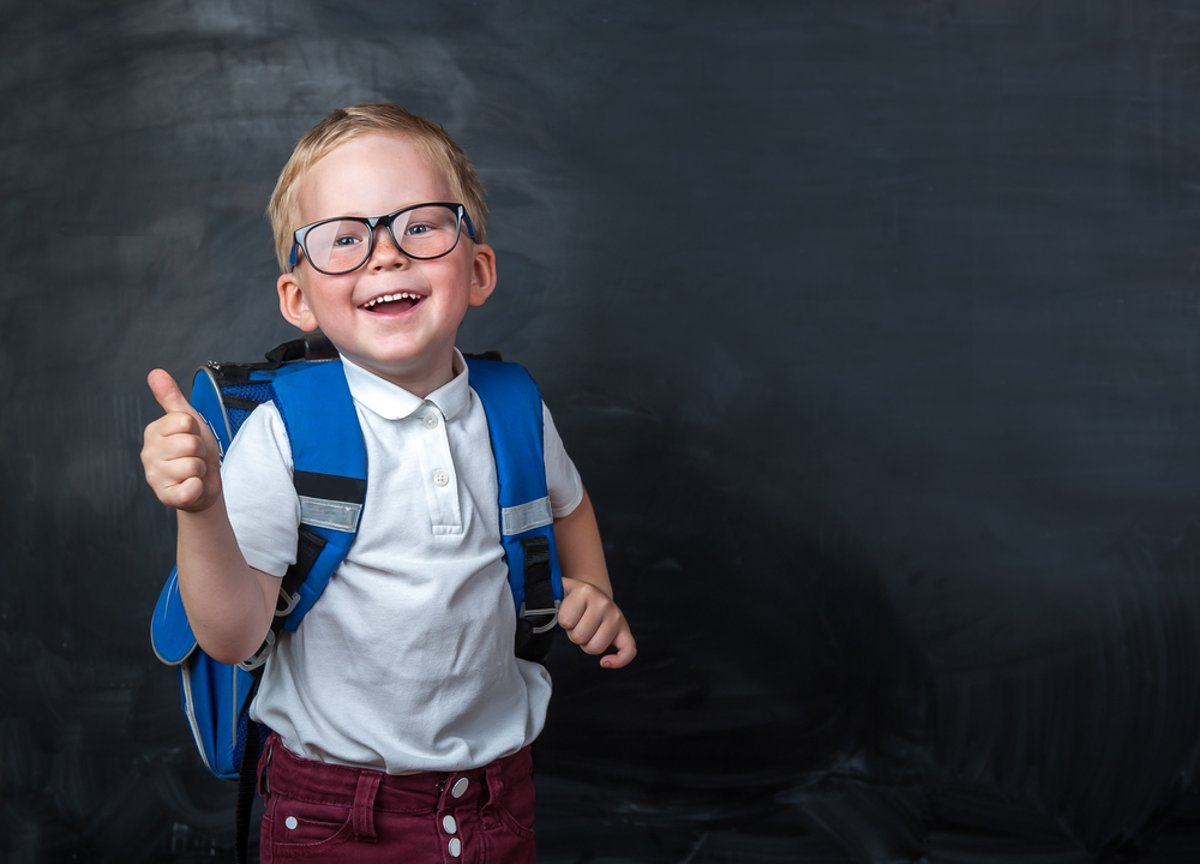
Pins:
x,y
341,245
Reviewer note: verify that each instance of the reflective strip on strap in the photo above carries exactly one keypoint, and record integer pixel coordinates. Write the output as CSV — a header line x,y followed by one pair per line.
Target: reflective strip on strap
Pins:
x,y
324,513
523,517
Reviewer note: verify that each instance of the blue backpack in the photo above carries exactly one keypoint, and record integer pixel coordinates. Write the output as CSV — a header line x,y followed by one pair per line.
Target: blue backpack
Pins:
x,y
306,382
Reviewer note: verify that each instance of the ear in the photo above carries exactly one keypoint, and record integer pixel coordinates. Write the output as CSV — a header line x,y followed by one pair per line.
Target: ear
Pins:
x,y
483,274
293,305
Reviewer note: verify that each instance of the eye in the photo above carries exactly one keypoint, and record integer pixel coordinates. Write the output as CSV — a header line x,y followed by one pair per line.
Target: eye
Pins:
x,y
343,240
416,230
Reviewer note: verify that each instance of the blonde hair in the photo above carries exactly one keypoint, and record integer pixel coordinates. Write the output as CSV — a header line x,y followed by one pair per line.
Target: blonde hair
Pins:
x,y
346,123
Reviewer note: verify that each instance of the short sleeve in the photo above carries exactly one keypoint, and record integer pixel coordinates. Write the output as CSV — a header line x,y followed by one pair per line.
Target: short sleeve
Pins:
x,y
256,479
562,478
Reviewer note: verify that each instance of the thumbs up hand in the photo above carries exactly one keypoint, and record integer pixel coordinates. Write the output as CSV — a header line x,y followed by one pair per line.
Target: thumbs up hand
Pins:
x,y
179,454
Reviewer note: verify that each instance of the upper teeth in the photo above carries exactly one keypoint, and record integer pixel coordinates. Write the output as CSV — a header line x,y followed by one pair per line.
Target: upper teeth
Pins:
x,y
388,298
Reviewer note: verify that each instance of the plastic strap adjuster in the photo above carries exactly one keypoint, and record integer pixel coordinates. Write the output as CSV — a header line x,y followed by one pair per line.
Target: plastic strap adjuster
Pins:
x,y
530,614
260,656
286,602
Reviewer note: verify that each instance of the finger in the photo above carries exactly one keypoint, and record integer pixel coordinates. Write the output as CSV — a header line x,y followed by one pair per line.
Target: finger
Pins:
x,y
176,486
584,632
568,616
571,610
182,495
588,622
173,472
155,431
184,442
166,391
626,650
603,638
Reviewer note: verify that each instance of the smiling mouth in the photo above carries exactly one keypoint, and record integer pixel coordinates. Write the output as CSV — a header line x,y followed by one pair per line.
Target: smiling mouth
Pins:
x,y
401,302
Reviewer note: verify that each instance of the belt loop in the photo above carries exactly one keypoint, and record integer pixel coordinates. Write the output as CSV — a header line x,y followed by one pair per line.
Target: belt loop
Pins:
x,y
362,812
264,784
494,776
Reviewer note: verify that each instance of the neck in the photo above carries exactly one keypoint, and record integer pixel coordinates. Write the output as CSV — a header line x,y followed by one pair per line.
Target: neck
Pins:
x,y
417,380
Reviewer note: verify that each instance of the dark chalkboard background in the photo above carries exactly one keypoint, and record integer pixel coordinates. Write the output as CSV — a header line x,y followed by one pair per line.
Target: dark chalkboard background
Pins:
x,y
873,326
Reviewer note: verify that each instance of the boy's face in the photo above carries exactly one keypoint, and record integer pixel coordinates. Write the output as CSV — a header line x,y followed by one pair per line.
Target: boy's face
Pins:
x,y
407,341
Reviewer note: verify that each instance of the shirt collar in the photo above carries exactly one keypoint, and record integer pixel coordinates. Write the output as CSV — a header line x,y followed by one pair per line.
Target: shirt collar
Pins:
x,y
393,402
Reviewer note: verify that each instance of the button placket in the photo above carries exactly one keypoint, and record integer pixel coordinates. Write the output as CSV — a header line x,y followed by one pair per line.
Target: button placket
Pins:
x,y
437,465
454,846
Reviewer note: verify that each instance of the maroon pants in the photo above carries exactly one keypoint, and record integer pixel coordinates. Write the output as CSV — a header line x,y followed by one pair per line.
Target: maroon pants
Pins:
x,y
319,812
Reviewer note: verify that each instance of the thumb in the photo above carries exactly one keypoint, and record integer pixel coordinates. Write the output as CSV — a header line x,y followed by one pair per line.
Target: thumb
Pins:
x,y
626,648
167,392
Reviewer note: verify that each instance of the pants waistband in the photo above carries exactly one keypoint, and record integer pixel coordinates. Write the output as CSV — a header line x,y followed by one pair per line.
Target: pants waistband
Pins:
x,y
285,773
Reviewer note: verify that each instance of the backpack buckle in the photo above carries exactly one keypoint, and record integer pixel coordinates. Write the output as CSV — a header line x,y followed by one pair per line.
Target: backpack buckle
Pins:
x,y
551,614
260,656
285,603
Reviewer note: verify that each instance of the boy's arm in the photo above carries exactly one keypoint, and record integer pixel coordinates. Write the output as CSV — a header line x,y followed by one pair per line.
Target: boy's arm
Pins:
x,y
588,614
229,604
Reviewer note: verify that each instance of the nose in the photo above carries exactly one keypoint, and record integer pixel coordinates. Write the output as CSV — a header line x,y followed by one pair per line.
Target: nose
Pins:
x,y
387,254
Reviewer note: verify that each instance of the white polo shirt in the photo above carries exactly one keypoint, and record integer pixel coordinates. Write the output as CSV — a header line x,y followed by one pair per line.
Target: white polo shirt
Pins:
x,y
406,662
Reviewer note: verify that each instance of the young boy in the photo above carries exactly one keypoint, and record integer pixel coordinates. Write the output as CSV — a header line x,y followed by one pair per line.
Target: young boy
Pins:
x,y
401,719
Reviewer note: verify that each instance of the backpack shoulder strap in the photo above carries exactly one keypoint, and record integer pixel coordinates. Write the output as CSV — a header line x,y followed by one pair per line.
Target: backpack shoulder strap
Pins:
x,y
314,400
512,404
329,462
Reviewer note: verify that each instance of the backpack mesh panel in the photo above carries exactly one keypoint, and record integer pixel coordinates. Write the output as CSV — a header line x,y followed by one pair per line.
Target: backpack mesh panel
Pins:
x,y
257,393
237,416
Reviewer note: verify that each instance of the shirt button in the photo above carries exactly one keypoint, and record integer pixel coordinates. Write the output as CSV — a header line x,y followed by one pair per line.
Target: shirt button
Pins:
x,y
441,478
430,421
459,788
291,822
455,848
449,824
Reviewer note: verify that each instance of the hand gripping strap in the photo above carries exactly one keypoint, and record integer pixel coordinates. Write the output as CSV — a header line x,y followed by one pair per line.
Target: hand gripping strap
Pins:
x,y
513,406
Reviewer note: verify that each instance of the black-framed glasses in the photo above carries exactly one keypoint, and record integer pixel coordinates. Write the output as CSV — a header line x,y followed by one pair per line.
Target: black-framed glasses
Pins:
x,y
344,243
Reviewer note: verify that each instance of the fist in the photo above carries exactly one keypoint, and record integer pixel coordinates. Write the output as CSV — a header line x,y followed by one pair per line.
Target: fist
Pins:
x,y
596,624
179,453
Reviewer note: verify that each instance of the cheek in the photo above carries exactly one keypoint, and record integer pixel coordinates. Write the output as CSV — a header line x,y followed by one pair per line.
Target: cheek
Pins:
x,y
322,292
